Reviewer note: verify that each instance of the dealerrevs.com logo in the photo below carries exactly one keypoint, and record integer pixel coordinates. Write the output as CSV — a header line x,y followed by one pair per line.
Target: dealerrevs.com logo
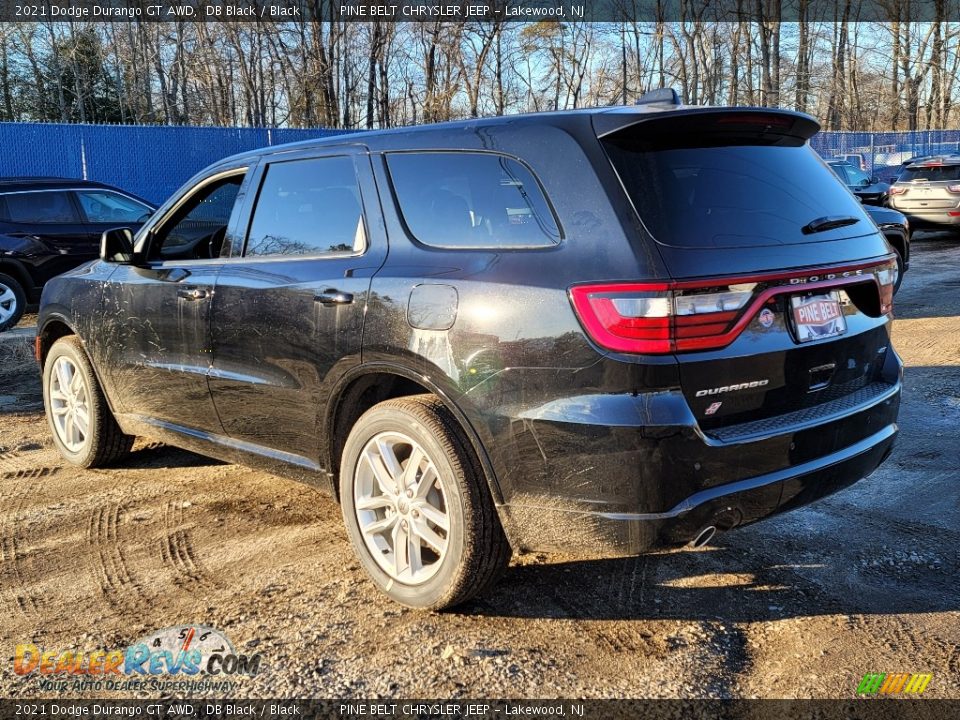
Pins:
x,y
186,657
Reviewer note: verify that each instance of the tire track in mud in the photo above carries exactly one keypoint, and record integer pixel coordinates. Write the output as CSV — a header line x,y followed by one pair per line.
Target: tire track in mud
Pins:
x,y
30,474
177,551
953,662
121,588
13,588
9,461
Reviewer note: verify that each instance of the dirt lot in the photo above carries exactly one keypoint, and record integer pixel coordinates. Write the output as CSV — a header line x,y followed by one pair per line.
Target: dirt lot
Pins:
x,y
800,606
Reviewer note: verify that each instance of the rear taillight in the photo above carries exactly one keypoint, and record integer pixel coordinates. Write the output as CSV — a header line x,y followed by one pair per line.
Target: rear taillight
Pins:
x,y
659,318
887,280
954,188
894,190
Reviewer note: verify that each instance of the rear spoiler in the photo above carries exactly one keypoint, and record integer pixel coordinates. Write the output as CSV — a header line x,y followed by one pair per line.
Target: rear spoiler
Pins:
x,y
699,119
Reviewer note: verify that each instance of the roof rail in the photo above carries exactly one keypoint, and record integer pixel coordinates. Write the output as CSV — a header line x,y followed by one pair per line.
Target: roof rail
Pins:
x,y
663,96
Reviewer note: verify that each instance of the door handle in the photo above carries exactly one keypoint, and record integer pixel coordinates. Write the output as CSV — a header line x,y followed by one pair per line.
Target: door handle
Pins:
x,y
332,296
191,293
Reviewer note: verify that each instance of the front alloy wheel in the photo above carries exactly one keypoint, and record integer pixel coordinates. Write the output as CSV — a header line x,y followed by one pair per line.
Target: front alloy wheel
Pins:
x,y
12,302
84,430
68,404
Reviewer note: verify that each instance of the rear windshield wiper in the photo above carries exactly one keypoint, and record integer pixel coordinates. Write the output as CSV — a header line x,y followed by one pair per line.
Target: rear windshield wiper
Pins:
x,y
831,222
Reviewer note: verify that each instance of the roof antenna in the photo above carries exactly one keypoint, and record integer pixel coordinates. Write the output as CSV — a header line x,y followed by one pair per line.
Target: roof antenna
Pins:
x,y
663,96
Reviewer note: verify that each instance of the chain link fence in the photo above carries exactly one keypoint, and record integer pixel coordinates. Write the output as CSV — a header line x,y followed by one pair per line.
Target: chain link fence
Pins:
x,y
149,161
881,154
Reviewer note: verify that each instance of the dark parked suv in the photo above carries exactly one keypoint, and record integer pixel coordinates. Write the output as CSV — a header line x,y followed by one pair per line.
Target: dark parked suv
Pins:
x,y
870,189
49,226
598,331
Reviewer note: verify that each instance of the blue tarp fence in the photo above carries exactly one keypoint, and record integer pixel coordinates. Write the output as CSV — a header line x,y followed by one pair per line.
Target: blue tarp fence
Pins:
x,y
148,160
154,160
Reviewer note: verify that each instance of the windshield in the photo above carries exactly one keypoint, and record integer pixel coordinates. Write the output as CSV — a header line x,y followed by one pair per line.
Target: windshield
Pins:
x,y
739,195
931,173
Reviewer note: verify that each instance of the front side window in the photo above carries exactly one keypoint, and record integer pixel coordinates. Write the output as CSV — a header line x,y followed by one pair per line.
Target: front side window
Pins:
x,y
198,227
103,206
307,207
40,207
471,200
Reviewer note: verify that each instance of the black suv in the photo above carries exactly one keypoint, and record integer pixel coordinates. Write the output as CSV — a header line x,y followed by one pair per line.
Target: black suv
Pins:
x,y
598,331
49,226
870,190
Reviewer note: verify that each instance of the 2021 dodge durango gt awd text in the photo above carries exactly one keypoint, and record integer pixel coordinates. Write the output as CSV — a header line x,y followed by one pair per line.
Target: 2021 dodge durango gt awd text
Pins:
x,y
596,331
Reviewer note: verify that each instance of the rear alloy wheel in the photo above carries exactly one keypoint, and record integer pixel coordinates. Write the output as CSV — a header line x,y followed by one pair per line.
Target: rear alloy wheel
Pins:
x,y
83,428
13,301
416,505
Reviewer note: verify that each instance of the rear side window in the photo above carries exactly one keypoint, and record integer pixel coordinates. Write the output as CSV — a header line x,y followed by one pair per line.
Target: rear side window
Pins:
x,y
40,207
701,192
307,207
931,173
471,200
105,207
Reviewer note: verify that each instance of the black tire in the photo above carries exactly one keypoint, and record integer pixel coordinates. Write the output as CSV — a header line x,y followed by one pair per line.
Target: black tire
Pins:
x,y
17,304
477,549
105,443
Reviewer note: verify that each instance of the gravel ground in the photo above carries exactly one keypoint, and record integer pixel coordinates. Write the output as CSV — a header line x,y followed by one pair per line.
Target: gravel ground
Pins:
x,y
800,606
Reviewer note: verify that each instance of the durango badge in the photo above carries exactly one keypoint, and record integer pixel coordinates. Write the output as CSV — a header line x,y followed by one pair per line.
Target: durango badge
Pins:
x,y
731,388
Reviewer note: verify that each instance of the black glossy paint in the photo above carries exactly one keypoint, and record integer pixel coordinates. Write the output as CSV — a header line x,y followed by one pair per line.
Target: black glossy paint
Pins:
x,y
584,449
34,252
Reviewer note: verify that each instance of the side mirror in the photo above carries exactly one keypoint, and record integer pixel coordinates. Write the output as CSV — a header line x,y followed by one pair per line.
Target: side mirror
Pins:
x,y
116,246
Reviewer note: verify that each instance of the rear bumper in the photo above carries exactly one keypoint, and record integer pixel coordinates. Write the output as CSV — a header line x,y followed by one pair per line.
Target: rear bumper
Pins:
x,y
725,507
929,218
621,488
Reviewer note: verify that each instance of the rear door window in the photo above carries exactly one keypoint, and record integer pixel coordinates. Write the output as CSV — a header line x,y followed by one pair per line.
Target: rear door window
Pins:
x,y
931,173
103,206
701,192
53,207
308,207
471,200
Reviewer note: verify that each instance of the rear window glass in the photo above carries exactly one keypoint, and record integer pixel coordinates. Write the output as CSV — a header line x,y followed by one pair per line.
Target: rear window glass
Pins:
x,y
40,207
471,200
932,173
738,195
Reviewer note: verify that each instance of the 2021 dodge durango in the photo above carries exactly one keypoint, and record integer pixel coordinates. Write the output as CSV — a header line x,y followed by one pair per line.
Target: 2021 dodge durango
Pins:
x,y
597,331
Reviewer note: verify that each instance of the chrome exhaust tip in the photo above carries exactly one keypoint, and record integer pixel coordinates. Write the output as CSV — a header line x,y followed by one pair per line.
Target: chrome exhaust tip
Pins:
x,y
705,536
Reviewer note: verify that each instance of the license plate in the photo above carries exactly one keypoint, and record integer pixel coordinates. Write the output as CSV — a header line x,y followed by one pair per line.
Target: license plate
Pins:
x,y
818,316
